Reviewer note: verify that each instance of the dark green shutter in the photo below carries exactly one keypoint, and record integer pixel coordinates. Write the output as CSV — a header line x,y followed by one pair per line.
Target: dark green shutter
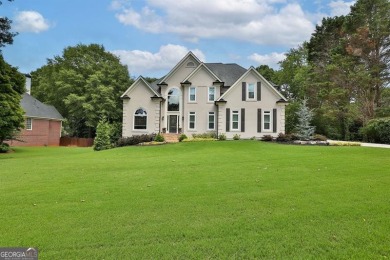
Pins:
x,y
258,91
259,120
243,91
242,119
274,119
227,119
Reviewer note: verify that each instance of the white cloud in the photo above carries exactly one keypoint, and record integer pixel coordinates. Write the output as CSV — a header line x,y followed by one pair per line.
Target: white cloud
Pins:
x,y
143,62
264,22
31,21
339,7
271,59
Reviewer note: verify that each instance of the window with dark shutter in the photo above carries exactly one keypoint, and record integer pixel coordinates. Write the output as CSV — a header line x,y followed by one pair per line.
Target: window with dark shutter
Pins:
x,y
258,91
227,119
259,120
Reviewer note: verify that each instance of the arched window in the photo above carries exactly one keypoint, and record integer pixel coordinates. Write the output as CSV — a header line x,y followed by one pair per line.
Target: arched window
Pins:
x,y
140,119
173,99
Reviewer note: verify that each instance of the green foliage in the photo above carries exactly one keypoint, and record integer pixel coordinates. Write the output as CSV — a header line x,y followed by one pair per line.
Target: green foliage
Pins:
x,y
182,137
209,135
11,113
222,137
318,137
102,140
159,138
4,148
378,130
236,137
282,138
84,84
135,139
267,138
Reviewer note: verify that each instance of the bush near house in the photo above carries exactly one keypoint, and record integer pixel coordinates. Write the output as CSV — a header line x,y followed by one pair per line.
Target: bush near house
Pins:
x,y
377,131
135,139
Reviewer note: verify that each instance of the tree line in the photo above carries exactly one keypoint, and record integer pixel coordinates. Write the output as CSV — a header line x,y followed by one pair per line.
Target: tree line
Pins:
x,y
343,71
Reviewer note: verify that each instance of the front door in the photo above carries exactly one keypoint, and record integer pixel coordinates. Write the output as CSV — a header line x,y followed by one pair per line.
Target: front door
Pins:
x,y
172,123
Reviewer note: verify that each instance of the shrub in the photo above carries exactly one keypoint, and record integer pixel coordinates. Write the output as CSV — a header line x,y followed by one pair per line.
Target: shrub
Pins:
x,y
283,138
4,148
102,140
253,138
135,139
205,135
182,137
236,137
266,138
293,137
159,138
222,137
318,137
377,131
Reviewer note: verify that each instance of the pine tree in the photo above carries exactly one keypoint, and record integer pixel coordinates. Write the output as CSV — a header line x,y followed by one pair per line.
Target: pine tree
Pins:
x,y
103,139
304,127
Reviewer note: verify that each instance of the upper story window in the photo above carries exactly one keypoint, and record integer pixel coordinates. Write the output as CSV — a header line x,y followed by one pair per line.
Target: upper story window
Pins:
x,y
140,119
211,94
192,94
28,123
251,91
174,99
267,120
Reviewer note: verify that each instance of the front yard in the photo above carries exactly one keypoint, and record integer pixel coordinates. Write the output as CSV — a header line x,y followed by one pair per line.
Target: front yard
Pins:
x,y
230,199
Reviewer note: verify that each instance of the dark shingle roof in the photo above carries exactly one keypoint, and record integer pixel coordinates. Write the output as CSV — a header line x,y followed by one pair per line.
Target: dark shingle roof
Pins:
x,y
228,73
34,108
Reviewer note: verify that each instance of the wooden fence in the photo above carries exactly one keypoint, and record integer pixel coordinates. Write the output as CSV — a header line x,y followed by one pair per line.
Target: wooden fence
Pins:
x,y
75,141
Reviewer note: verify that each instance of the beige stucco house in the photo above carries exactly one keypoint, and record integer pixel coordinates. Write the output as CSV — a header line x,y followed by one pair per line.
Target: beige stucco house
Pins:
x,y
197,97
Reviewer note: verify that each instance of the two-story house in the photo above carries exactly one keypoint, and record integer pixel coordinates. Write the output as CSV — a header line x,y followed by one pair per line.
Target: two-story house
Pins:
x,y
197,97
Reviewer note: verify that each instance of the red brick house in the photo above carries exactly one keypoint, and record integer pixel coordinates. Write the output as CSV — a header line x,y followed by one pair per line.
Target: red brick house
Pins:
x,y
43,124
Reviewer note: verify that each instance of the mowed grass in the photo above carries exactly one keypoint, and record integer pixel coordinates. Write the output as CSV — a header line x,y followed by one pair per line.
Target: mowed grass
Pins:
x,y
205,200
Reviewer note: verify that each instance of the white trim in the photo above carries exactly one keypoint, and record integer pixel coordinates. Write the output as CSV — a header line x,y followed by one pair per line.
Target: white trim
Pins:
x,y
192,113
189,54
140,78
189,94
197,69
238,120
31,123
208,93
208,120
266,112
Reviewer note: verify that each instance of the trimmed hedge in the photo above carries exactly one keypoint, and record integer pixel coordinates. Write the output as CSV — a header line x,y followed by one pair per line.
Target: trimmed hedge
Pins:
x,y
135,139
377,131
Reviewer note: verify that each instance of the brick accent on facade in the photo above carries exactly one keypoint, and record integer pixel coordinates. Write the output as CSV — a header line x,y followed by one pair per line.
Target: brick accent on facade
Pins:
x,y
44,132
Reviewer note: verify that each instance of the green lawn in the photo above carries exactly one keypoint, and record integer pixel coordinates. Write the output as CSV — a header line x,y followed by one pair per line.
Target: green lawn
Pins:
x,y
232,199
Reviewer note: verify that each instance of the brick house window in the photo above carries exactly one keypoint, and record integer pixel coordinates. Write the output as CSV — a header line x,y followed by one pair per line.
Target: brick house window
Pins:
x,y
28,123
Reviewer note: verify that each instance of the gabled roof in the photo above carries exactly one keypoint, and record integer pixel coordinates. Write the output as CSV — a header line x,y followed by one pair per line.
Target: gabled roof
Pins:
x,y
201,65
252,69
189,54
140,78
228,73
34,108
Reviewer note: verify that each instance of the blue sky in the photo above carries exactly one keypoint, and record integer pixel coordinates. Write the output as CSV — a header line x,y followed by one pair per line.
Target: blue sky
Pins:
x,y
151,36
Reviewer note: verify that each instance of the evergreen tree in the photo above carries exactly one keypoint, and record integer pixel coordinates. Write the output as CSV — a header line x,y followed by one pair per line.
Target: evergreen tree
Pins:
x,y
102,140
304,128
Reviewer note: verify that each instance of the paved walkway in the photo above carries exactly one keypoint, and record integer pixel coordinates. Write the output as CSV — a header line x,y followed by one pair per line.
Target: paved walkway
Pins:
x,y
376,145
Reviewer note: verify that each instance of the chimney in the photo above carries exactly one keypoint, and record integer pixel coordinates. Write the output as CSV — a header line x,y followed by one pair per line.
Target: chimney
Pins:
x,y
28,83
